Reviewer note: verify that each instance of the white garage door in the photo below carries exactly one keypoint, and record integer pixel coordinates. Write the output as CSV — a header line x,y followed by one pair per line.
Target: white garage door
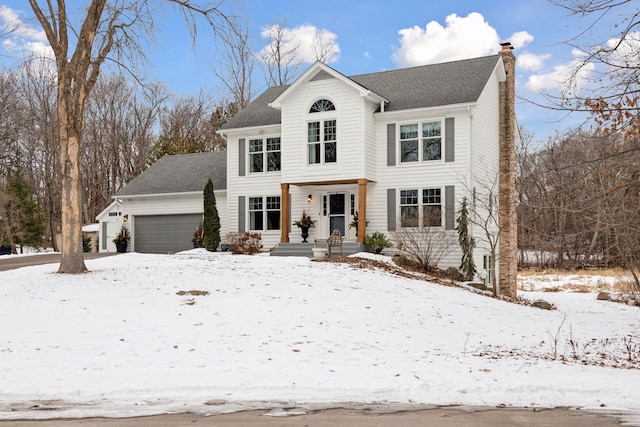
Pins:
x,y
164,233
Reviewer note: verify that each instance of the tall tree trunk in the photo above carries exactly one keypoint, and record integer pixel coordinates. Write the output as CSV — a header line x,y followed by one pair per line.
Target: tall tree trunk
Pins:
x,y
72,260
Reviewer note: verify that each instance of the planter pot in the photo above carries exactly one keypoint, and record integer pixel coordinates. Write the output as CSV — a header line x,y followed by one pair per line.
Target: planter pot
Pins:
x,y
305,234
319,253
121,247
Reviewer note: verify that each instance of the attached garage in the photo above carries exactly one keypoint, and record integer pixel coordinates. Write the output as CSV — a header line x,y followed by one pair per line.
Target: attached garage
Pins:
x,y
163,205
164,233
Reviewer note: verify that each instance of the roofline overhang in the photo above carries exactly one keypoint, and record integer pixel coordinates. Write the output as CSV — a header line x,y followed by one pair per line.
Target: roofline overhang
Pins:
x,y
321,183
146,196
463,106
107,209
500,71
224,132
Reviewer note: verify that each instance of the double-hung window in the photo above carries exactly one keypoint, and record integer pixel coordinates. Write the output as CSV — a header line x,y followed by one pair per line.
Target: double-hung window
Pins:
x,y
431,207
264,151
421,142
409,208
322,142
322,135
264,213
425,210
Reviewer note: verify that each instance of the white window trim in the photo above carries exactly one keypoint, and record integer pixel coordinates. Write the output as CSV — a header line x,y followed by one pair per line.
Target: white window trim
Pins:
x,y
419,122
322,118
264,154
264,211
421,205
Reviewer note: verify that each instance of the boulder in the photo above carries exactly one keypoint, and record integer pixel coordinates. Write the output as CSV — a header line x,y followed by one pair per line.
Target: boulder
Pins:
x,y
540,303
604,296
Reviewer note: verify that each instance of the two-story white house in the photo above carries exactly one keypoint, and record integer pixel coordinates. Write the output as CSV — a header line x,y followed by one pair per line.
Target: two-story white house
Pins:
x,y
400,148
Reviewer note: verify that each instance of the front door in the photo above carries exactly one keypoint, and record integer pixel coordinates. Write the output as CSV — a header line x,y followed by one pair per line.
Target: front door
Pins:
x,y
338,212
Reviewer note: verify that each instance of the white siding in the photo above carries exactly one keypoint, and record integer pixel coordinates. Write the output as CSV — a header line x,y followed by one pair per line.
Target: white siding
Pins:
x,y
436,174
485,153
251,184
485,144
350,139
371,149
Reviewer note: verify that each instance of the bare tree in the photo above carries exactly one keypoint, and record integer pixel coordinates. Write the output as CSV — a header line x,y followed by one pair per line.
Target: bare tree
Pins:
x,y
37,87
189,125
237,69
10,124
119,133
609,67
280,59
324,49
579,196
427,244
105,29
484,215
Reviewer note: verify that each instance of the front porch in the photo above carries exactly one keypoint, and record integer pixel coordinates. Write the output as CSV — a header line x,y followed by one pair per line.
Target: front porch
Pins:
x,y
305,249
331,204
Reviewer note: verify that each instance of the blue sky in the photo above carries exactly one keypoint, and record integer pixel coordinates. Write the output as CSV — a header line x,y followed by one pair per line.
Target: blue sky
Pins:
x,y
367,36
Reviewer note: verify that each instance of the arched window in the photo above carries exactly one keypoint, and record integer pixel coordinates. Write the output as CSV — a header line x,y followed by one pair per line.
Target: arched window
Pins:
x,y
322,105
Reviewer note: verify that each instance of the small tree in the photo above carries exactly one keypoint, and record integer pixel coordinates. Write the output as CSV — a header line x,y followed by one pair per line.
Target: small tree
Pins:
x,y
428,244
211,223
21,212
467,243
378,241
485,216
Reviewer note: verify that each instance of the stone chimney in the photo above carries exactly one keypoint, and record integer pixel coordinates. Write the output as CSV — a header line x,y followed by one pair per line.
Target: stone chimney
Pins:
x,y
507,262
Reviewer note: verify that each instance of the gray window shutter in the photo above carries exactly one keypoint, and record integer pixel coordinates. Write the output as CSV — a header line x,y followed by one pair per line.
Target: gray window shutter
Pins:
x,y
391,144
391,209
242,212
449,207
103,241
449,140
241,157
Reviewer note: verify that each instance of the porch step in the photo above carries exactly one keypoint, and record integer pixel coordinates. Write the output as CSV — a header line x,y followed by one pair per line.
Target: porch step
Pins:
x,y
305,249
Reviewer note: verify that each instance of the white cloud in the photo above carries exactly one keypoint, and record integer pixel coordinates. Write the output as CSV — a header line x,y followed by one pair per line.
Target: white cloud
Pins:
x,y
307,42
520,39
568,78
626,52
531,62
22,38
462,37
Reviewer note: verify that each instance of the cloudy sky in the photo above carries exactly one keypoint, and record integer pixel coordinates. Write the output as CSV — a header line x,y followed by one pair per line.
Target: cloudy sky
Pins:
x,y
363,37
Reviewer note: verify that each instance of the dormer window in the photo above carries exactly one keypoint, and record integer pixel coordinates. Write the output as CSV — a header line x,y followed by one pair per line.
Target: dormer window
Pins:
x,y
322,105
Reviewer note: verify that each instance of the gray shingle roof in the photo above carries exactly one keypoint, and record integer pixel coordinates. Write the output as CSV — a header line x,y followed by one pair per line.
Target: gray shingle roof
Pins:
x,y
258,113
180,174
448,83
433,85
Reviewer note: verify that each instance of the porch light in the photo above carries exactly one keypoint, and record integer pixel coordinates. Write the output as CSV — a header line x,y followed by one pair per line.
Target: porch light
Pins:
x,y
309,198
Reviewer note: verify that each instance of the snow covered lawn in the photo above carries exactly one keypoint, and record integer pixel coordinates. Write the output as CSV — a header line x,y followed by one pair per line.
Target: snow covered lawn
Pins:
x,y
144,334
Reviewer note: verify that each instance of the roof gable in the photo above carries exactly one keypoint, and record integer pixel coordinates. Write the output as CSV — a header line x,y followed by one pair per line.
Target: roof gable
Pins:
x,y
181,173
321,71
